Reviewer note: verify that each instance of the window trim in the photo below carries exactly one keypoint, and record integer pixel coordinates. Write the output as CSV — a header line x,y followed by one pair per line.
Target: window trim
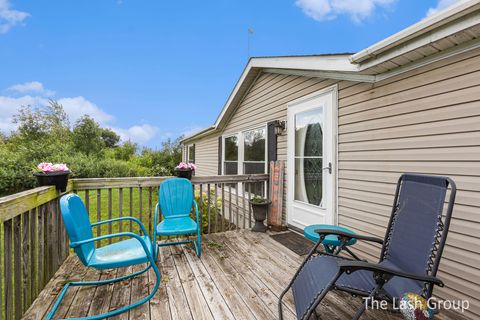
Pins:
x,y
241,154
188,153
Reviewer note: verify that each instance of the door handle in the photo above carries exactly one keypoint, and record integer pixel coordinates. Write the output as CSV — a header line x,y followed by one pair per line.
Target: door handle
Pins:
x,y
329,167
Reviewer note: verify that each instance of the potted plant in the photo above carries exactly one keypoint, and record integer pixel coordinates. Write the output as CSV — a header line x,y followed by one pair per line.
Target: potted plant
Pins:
x,y
185,170
52,174
260,208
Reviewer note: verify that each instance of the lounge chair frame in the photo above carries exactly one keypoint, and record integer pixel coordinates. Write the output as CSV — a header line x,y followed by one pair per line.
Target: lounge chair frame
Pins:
x,y
381,274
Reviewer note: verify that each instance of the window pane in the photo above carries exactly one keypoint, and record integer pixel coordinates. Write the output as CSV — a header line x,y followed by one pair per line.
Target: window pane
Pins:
x,y
191,154
231,148
308,133
308,180
254,144
230,168
253,167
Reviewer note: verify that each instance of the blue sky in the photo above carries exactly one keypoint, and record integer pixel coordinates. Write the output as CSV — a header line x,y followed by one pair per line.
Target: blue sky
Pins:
x,y
156,69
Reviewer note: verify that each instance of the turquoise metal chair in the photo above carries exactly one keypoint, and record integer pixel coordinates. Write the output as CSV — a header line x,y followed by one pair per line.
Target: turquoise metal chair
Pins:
x,y
176,201
136,250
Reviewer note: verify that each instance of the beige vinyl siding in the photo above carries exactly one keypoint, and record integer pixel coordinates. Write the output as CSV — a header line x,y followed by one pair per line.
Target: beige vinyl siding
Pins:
x,y
427,121
206,156
267,101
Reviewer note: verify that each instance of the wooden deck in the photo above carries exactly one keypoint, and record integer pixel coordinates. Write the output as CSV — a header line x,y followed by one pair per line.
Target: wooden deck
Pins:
x,y
239,276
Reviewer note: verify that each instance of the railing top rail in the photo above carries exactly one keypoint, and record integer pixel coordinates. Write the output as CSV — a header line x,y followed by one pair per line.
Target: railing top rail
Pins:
x,y
135,182
18,203
15,204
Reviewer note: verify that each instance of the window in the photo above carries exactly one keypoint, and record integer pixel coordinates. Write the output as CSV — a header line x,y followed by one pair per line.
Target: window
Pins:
x,y
230,165
191,154
244,153
254,157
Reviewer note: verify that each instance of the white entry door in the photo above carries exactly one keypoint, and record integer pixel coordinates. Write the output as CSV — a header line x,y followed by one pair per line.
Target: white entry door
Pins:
x,y
310,166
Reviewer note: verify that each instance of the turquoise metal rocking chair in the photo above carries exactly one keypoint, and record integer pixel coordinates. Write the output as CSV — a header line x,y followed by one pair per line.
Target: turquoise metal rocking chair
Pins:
x,y
176,201
136,250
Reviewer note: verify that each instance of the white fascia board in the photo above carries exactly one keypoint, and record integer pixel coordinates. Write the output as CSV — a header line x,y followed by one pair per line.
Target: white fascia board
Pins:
x,y
418,29
356,77
332,63
336,63
232,95
198,134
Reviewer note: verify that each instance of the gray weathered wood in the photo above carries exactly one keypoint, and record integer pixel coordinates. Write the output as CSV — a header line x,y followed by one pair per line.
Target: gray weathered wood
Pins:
x,y
26,260
33,255
99,210
150,209
131,206
17,266
208,208
110,213
18,203
7,268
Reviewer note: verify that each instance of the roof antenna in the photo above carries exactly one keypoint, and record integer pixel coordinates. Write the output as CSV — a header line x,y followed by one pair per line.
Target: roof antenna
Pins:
x,y
250,33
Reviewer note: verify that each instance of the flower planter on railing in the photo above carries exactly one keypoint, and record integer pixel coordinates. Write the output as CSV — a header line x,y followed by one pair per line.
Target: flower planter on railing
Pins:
x,y
53,175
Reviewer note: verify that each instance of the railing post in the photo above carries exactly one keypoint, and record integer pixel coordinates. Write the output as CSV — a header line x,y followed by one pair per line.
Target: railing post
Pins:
x,y
7,268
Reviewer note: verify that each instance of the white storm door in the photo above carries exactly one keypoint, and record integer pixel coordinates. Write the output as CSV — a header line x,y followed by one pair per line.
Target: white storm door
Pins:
x,y
310,167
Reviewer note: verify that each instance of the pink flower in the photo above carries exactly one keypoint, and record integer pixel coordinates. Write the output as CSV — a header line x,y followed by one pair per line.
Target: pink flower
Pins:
x,y
50,167
183,165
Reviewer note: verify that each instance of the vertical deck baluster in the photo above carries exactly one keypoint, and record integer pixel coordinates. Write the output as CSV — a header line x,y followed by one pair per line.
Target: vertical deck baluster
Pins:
x,y
7,268
150,207
53,237
99,209
215,201
249,206
110,213
17,266
208,208
244,213
41,247
223,207
200,214
237,211
26,259
120,208
140,203
230,213
33,256
131,206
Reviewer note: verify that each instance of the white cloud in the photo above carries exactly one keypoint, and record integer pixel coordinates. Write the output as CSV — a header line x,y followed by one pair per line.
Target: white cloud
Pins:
x,y
358,10
442,5
31,87
139,133
9,17
75,107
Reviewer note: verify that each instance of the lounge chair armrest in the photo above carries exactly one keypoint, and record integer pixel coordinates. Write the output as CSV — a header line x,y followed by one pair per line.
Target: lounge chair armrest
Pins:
x,y
352,266
142,227
347,235
113,235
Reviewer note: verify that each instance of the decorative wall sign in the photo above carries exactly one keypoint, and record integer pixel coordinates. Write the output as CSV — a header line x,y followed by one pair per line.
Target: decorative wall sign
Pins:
x,y
277,172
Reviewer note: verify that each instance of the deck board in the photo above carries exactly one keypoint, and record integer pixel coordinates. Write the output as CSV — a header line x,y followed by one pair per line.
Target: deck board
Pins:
x,y
240,276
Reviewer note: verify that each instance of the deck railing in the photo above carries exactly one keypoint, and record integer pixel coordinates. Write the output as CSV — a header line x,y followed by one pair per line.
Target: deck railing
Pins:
x,y
34,242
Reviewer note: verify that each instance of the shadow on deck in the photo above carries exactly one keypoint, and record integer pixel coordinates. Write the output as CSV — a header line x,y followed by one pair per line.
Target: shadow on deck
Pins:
x,y
239,276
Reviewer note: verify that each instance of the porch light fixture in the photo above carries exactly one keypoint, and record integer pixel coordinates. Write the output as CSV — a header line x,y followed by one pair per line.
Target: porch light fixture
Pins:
x,y
280,126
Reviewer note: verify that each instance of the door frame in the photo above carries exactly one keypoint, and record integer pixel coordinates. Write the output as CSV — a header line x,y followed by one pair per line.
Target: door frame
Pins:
x,y
290,153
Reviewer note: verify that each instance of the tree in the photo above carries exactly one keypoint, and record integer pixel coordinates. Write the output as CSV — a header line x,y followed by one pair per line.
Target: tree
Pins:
x,y
110,138
126,151
87,136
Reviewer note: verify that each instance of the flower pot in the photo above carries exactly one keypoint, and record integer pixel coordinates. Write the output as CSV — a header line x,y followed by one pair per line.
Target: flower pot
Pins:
x,y
260,214
184,173
57,179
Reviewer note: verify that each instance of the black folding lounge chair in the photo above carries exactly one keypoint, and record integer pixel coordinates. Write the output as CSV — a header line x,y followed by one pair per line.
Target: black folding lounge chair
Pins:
x,y
409,260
